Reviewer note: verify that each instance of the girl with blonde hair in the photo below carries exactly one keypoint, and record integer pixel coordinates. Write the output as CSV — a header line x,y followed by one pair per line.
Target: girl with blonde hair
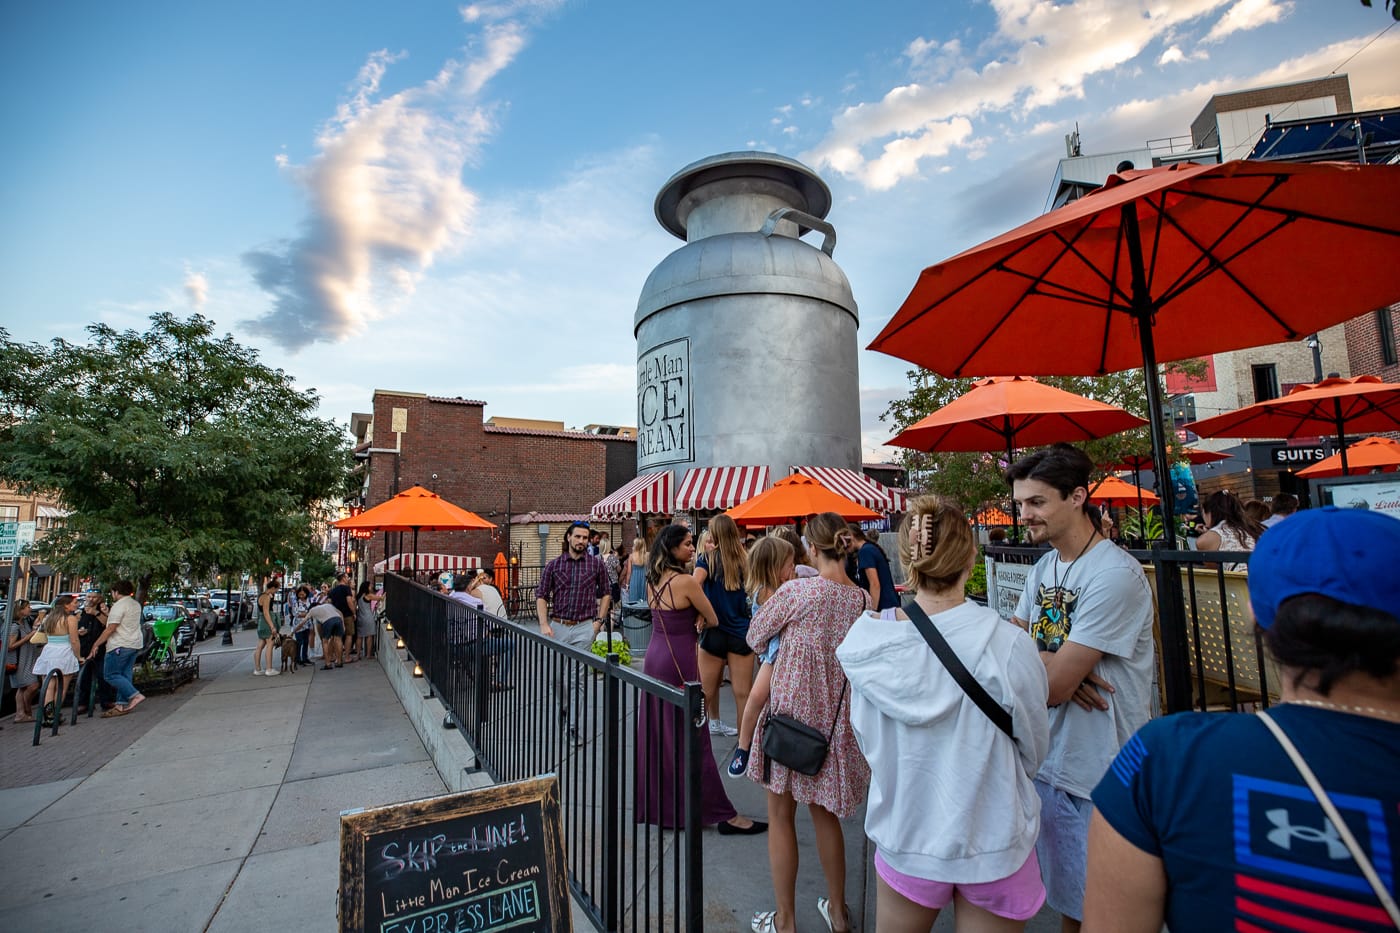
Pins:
x,y
771,564
812,615
722,574
953,811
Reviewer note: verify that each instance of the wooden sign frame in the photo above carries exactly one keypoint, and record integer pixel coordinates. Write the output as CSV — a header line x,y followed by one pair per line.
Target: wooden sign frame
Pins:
x,y
357,829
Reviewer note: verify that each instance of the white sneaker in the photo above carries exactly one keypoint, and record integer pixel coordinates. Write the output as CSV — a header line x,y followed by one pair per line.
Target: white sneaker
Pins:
x,y
273,673
257,672
722,728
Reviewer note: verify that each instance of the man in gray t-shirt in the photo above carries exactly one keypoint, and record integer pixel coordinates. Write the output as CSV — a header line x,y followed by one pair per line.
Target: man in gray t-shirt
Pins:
x,y
1089,608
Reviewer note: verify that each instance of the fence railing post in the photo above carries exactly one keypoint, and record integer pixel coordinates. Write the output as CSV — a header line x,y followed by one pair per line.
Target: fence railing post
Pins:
x,y
694,909
612,796
1176,656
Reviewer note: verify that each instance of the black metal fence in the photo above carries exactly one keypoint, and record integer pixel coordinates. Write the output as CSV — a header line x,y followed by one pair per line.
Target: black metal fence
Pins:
x,y
1209,654
622,744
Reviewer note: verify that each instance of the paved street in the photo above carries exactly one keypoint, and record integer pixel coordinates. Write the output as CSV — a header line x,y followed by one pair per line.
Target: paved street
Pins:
x,y
214,809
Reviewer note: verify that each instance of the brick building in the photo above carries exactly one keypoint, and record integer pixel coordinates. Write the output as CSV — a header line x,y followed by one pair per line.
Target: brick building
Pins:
x,y
44,513
497,471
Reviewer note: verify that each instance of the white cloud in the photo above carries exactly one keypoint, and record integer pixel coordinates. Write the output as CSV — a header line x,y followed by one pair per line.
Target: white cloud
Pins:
x,y
384,190
196,289
1173,54
1248,14
1052,50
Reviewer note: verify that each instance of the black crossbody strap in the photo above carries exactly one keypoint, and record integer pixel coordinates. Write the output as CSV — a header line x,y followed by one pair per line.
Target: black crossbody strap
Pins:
x,y
999,717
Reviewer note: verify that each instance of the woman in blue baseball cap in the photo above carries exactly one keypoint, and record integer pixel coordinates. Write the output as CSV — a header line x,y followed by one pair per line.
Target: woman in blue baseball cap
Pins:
x,y
1289,819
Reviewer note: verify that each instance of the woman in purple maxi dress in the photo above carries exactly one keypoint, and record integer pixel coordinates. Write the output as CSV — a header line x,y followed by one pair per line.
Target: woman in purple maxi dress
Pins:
x,y
678,610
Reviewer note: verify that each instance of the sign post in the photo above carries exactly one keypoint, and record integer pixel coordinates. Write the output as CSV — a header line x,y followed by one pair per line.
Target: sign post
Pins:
x,y
476,862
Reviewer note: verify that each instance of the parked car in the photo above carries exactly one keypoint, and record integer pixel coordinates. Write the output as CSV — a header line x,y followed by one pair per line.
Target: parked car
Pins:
x,y
201,612
184,636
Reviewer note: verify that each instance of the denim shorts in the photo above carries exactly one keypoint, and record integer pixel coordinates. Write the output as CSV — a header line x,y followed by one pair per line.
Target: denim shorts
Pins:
x,y
1063,848
335,628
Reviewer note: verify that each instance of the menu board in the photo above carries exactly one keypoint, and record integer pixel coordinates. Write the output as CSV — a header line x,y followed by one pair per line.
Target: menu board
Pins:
x,y
476,862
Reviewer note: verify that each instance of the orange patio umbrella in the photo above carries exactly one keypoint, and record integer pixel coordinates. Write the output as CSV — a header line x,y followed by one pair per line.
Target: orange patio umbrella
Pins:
x,y
1139,462
1003,413
1168,263
416,509
1113,491
794,498
993,516
1374,453
1364,405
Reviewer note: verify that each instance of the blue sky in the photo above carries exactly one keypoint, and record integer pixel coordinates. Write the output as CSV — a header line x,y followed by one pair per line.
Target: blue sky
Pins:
x,y
458,199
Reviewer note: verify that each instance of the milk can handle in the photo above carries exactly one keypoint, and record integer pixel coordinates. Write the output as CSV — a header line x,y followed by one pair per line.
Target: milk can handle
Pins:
x,y
803,219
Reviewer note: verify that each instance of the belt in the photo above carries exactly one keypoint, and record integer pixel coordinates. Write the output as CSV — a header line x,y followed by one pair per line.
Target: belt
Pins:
x,y
571,621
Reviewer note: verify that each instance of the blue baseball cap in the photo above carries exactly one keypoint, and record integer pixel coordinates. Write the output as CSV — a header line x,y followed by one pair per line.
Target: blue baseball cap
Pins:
x,y
1350,555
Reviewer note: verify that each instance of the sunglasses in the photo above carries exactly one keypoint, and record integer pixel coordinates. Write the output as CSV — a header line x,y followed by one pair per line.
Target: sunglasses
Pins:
x,y
574,525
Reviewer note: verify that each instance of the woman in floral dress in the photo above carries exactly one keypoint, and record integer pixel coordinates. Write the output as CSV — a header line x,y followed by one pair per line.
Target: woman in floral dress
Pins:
x,y
813,615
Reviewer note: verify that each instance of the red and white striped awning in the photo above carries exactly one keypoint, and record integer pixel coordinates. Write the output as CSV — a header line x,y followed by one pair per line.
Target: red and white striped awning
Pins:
x,y
429,562
720,487
650,492
857,487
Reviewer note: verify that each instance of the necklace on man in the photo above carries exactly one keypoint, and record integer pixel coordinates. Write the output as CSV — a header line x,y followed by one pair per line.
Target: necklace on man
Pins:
x,y
1376,711
1059,592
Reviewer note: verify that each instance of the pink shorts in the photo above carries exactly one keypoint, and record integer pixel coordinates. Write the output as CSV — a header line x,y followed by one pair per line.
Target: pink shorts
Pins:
x,y
1017,897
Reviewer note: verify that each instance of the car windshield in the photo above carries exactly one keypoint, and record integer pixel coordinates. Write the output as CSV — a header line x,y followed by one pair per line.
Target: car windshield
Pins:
x,y
164,612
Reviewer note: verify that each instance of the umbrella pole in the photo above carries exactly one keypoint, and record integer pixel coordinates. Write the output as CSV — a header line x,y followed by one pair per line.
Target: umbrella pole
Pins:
x,y
1015,519
1142,519
1341,435
415,552
1142,311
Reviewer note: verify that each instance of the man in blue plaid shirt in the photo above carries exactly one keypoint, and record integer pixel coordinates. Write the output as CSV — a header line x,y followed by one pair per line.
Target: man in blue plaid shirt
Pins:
x,y
571,601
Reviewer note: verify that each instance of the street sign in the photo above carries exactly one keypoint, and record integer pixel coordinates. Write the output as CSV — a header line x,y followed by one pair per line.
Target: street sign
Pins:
x,y
15,537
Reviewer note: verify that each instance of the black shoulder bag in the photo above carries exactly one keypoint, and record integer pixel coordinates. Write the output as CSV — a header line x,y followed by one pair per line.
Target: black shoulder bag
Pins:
x,y
791,742
999,717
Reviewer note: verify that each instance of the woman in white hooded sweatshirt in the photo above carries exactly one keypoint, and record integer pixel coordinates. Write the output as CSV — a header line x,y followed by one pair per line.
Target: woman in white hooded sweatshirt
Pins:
x,y
952,810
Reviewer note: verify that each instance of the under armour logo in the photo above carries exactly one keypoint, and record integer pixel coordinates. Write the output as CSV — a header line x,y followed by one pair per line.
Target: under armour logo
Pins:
x,y
1286,832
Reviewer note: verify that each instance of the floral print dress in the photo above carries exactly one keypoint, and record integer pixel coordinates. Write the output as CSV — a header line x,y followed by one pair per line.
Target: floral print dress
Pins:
x,y
813,616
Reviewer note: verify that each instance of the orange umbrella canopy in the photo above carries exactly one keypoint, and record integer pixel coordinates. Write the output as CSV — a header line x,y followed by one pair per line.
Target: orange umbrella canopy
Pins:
x,y
1114,491
1229,256
1374,453
415,509
1167,263
1364,404
796,497
1192,455
1003,413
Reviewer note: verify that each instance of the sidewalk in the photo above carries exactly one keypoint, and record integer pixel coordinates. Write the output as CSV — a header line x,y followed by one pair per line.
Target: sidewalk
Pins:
x,y
213,809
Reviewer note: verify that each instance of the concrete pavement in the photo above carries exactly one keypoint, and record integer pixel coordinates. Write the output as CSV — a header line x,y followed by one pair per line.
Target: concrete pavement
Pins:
x,y
217,808
222,815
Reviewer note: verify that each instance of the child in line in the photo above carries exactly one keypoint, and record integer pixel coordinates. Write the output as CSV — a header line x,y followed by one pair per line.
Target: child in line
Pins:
x,y
771,564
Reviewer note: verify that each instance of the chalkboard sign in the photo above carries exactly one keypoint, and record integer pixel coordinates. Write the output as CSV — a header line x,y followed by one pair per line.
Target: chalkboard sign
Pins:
x,y
476,862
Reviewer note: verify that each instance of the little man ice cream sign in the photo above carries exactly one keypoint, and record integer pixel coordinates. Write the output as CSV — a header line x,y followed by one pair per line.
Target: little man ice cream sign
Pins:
x,y
665,431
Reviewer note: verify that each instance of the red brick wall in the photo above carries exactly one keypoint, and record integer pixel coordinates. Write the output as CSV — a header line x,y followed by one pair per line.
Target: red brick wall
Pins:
x,y
1364,346
476,467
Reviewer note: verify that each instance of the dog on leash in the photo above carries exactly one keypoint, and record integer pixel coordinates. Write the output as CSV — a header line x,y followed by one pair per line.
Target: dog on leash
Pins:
x,y
289,654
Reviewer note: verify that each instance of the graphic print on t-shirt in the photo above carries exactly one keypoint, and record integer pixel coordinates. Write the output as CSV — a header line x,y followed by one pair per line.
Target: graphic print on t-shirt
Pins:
x,y
1052,624
1280,830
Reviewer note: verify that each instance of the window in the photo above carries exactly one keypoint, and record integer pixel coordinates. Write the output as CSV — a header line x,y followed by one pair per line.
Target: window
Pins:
x,y
1265,382
9,513
1385,329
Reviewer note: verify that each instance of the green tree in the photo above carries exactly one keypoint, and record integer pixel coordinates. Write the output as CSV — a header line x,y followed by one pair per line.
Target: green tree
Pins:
x,y
176,451
976,479
317,567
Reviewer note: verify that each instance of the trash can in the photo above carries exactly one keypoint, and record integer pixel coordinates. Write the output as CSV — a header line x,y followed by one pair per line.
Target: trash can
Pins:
x,y
636,627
